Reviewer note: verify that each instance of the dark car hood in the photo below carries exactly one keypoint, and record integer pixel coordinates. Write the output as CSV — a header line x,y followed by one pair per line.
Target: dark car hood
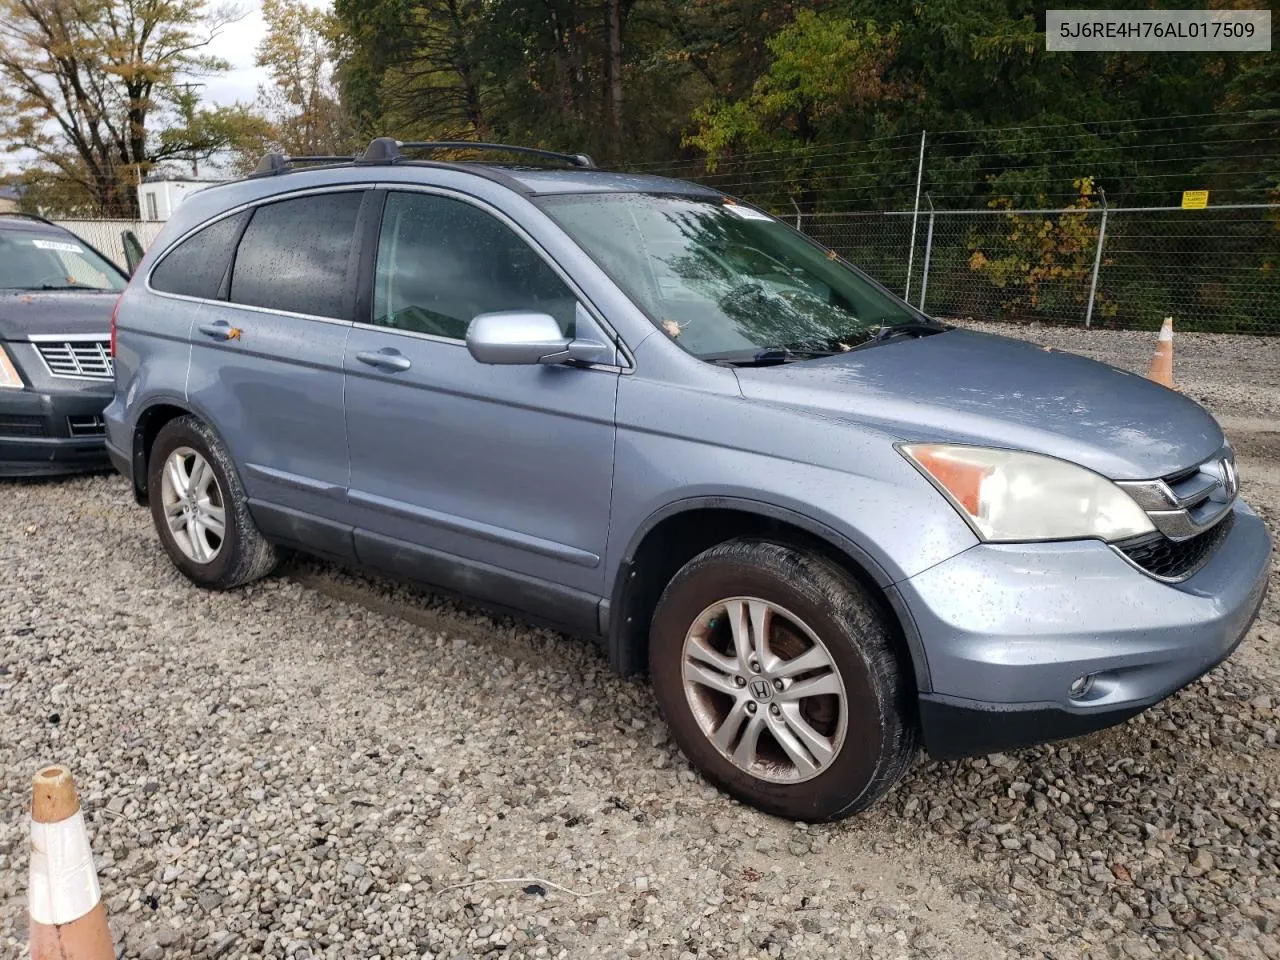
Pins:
x,y
977,388
78,312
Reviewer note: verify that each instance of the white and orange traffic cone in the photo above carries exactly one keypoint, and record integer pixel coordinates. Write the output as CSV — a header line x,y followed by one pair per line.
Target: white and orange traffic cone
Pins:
x,y
68,919
1161,369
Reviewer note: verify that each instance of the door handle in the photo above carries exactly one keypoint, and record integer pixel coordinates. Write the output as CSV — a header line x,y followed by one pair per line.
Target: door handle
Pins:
x,y
220,330
386,359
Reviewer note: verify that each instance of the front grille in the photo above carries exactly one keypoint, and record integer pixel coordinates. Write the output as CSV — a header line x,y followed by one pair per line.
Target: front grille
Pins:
x,y
1191,511
1177,559
16,426
83,359
87,426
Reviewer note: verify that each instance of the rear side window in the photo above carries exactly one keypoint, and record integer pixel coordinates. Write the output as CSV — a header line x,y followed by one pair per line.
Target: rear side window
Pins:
x,y
294,255
196,266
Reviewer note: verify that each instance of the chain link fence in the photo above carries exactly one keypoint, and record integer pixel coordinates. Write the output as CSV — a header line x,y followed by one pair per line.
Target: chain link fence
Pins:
x,y
1216,269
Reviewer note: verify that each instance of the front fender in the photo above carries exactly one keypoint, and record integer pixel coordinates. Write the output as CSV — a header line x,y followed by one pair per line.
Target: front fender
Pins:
x,y
890,519
625,653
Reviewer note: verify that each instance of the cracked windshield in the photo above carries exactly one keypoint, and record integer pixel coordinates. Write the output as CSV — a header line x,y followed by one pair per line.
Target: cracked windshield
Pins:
x,y
727,282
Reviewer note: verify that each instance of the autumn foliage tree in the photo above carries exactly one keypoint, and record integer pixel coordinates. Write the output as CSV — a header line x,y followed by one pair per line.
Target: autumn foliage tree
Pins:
x,y
91,90
300,104
1031,258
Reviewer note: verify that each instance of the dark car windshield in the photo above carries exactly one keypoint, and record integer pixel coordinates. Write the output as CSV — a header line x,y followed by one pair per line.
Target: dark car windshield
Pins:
x,y
36,260
723,279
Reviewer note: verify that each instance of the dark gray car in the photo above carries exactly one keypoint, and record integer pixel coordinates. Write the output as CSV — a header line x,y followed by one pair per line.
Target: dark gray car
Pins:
x,y
56,298
641,411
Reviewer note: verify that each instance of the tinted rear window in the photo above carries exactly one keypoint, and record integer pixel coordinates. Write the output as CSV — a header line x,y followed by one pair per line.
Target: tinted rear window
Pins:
x,y
294,255
196,266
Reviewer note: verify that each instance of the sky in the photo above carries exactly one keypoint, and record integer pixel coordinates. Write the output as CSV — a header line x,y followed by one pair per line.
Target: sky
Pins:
x,y
236,44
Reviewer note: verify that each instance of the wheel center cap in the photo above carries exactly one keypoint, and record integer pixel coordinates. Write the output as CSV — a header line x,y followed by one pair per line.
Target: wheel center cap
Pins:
x,y
762,689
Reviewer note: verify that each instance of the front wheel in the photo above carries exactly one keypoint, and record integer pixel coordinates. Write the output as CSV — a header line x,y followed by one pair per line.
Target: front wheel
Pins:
x,y
779,677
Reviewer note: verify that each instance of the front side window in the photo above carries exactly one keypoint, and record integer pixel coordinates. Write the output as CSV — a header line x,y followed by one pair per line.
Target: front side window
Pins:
x,y
196,266
35,260
722,279
443,261
294,255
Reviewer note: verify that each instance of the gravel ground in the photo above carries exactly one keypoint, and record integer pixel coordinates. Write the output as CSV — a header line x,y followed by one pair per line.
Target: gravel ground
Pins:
x,y
323,765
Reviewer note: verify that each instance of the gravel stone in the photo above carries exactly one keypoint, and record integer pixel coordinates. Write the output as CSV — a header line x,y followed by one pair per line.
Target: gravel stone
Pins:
x,y
324,765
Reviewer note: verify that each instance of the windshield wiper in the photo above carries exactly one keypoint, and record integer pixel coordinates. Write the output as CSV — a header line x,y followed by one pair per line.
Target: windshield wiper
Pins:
x,y
67,286
766,358
912,328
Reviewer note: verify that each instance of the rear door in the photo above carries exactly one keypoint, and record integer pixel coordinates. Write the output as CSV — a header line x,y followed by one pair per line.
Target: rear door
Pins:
x,y
492,480
266,364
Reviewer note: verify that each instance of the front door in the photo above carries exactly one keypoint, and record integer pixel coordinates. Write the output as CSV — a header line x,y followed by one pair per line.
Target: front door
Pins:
x,y
492,480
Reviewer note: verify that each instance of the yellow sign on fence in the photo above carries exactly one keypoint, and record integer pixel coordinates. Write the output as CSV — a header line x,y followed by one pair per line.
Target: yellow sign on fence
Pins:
x,y
1195,199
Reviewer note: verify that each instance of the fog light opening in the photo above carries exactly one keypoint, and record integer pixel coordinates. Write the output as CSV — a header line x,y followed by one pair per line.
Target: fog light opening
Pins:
x,y
1081,686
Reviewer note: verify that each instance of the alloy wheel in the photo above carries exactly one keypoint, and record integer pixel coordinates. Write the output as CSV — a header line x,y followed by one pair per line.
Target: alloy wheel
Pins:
x,y
764,689
194,507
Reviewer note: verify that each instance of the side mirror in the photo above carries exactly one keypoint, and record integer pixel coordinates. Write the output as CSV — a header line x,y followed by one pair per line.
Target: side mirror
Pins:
x,y
520,337
132,249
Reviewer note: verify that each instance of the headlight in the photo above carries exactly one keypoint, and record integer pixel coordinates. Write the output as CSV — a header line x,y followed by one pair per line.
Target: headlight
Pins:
x,y
1011,496
9,376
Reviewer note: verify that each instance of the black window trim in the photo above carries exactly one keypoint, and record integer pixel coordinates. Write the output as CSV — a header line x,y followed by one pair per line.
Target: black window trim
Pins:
x,y
225,286
365,319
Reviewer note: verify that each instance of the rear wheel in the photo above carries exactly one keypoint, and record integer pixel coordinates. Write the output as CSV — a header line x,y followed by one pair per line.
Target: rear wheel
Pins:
x,y
778,676
200,509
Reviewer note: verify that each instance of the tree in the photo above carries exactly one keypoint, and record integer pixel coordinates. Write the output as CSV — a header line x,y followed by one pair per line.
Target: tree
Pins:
x,y
414,68
616,78
301,107
88,83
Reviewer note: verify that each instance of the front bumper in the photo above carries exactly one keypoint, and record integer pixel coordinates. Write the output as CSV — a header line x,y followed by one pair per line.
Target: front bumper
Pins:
x,y
1006,630
50,433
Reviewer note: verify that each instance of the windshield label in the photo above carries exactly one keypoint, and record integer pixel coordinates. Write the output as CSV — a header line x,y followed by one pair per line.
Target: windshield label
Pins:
x,y
58,245
746,213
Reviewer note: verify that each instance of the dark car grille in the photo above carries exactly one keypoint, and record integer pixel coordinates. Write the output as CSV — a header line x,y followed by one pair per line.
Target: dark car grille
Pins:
x,y
88,358
1177,560
16,426
90,425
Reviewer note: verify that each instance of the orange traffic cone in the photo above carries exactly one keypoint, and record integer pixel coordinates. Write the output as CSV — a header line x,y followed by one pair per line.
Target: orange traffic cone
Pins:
x,y
1161,369
68,919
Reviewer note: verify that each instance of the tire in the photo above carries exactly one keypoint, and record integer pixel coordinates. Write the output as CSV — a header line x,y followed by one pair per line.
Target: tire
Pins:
x,y
217,558
809,607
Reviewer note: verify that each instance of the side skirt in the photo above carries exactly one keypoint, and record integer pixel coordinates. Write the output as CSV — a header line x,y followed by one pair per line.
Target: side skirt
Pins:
x,y
501,591
513,593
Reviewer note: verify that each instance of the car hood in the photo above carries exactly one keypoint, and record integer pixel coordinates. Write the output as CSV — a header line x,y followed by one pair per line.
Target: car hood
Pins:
x,y
80,313
971,387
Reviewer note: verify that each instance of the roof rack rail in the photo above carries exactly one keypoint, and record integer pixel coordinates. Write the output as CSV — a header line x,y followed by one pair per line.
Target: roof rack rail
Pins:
x,y
274,163
388,150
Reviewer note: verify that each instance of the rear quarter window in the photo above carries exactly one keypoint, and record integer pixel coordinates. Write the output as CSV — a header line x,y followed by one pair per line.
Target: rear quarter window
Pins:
x,y
295,255
196,266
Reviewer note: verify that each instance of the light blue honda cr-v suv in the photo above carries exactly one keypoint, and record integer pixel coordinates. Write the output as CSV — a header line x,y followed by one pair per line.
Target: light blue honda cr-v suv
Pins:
x,y
642,411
